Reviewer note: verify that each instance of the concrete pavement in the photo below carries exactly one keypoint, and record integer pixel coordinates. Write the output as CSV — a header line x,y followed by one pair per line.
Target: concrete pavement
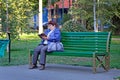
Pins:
x,y
55,72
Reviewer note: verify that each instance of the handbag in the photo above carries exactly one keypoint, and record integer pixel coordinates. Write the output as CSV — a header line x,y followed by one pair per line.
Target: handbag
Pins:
x,y
55,46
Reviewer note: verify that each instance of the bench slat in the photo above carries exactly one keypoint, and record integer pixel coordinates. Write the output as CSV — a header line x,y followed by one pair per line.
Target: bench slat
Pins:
x,y
84,33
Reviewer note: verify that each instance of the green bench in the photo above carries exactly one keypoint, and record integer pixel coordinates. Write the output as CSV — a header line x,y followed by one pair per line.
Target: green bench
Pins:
x,y
86,44
3,45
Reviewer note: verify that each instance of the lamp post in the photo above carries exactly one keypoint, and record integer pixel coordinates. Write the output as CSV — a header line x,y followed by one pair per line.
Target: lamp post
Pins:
x,y
40,17
8,32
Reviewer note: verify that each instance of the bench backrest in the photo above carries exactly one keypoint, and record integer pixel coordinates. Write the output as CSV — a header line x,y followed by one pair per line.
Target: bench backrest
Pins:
x,y
3,45
87,41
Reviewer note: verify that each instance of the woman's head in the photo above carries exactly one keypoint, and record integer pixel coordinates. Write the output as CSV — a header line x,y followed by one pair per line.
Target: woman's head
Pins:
x,y
52,25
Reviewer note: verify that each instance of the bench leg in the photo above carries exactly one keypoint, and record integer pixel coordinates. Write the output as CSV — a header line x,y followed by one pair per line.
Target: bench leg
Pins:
x,y
101,62
94,63
107,62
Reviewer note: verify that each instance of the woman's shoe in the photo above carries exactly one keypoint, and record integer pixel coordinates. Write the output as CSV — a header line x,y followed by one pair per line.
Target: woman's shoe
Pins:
x,y
42,67
33,67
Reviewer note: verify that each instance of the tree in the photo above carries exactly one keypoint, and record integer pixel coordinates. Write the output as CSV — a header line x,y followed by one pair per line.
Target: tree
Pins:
x,y
82,10
52,2
107,11
19,11
113,9
49,10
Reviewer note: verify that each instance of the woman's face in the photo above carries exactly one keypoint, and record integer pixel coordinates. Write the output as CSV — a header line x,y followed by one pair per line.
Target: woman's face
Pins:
x,y
51,27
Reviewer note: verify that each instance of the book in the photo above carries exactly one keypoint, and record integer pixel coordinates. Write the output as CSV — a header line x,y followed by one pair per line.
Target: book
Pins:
x,y
42,35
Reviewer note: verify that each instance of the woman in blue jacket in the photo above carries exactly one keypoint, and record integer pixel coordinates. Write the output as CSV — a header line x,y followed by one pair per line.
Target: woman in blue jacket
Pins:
x,y
52,34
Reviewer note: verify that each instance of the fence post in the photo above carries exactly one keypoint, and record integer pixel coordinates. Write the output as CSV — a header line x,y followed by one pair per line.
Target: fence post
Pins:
x,y
9,46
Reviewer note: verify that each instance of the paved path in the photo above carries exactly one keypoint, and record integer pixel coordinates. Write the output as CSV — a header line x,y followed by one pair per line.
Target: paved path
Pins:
x,y
55,72
115,38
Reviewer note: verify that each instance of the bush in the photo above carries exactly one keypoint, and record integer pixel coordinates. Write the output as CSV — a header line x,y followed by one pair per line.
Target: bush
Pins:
x,y
73,26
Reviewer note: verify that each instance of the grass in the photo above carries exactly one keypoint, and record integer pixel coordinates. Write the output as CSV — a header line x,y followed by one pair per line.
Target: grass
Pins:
x,y
20,50
116,36
115,54
117,78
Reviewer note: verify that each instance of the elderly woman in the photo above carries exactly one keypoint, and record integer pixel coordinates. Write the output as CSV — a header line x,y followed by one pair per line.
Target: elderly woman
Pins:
x,y
52,34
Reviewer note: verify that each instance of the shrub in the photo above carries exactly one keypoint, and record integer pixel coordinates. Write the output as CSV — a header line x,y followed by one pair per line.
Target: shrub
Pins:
x,y
73,26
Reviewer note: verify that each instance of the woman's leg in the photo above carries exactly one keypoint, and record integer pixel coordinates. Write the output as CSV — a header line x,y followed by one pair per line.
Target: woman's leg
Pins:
x,y
36,54
43,55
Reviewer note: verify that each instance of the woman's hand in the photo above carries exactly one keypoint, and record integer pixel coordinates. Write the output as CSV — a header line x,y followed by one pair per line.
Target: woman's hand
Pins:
x,y
44,37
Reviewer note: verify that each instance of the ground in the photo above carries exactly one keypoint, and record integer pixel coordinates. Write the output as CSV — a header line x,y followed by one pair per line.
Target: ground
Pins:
x,y
56,72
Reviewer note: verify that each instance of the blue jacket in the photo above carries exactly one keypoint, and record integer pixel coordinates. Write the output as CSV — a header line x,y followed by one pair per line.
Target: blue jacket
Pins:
x,y
55,36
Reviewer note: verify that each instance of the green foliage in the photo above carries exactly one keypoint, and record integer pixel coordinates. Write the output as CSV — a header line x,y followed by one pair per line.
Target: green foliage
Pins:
x,y
19,11
82,9
45,3
111,14
106,12
35,4
53,1
66,17
73,26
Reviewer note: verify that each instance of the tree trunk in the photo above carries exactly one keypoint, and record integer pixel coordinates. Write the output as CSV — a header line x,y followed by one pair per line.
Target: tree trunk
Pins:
x,y
94,11
49,10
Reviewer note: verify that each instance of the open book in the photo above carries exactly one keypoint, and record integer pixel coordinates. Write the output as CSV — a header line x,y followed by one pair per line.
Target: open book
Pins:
x,y
42,35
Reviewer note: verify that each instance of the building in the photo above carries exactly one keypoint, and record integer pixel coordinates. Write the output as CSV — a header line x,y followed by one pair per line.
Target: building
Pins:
x,y
62,8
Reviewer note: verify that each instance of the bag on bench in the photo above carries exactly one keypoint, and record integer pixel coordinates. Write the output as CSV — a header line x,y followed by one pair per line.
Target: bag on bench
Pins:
x,y
55,46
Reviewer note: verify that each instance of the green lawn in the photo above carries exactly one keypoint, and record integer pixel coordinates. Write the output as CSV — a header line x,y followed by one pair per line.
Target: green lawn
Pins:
x,y
20,50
